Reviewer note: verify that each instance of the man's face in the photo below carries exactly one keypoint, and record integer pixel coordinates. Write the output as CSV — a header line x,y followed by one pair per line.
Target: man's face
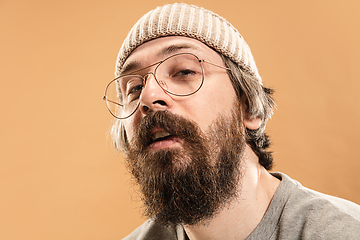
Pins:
x,y
193,168
216,97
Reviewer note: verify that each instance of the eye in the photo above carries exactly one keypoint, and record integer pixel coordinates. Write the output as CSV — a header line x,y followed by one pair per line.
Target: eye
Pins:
x,y
185,72
184,75
134,93
135,89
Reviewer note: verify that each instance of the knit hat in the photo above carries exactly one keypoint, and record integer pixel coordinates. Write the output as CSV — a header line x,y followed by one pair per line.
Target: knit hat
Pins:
x,y
180,19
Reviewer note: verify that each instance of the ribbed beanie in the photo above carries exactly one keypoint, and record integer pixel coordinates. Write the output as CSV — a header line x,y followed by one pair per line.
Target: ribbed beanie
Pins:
x,y
180,19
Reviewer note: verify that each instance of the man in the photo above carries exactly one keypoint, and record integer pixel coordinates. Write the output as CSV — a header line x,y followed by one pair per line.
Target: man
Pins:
x,y
191,112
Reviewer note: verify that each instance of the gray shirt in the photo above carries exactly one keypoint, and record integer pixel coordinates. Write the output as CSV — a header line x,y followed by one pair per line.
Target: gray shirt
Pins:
x,y
295,212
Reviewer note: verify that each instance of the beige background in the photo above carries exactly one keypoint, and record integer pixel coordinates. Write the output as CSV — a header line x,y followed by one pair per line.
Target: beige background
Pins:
x,y
59,176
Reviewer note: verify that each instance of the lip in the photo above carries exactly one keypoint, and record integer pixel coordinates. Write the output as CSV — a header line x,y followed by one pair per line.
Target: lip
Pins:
x,y
169,142
165,143
155,130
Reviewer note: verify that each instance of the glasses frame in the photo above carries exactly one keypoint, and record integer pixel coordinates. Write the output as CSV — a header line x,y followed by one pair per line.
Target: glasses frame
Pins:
x,y
144,78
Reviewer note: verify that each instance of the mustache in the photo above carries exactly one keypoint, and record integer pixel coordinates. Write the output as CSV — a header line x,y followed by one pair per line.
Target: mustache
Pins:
x,y
174,124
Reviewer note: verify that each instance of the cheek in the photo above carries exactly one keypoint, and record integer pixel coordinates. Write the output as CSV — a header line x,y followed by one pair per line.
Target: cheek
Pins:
x,y
219,100
206,109
131,124
225,96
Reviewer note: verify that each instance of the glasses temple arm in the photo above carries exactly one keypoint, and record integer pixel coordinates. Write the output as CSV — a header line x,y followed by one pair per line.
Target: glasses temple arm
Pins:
x,y
105,99
216,65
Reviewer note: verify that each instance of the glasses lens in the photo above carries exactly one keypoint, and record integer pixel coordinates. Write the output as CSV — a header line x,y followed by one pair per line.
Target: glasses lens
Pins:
x,y
122,95
180,74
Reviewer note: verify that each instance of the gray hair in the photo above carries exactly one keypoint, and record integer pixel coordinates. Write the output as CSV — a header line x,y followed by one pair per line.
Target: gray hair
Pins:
x,y
259,103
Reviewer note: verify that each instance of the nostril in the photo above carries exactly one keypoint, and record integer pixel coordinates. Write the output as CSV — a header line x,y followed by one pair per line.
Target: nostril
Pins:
x,y
145,108
158,104
161,102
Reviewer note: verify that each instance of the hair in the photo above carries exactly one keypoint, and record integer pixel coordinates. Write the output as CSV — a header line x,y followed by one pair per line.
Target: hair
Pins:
x,y
259,103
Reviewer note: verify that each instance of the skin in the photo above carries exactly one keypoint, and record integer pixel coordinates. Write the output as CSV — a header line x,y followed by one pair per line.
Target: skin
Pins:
x,y
215,97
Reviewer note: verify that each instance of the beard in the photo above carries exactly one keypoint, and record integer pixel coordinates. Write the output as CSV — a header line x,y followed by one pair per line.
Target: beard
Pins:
x,y
190,184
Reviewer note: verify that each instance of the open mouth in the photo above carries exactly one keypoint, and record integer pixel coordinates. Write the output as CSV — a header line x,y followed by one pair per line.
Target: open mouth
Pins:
x,y
161,135
161,138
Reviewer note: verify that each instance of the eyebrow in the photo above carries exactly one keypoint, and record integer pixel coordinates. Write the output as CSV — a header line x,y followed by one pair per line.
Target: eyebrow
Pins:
x,y
132,65
177,47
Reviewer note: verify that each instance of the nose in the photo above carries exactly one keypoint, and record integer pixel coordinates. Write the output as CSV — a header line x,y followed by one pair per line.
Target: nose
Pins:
x,y
153,97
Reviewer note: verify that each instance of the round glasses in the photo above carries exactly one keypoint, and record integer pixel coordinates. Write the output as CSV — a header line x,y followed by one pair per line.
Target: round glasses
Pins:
x,y
180,75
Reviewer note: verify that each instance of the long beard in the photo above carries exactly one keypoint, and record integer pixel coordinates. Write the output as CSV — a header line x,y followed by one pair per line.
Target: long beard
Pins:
x,y
187,185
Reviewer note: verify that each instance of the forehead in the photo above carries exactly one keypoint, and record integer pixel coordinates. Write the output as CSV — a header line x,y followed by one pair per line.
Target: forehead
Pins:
x,y
158,49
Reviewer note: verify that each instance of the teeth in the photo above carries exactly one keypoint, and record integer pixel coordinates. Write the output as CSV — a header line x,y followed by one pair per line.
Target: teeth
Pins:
x,y
161,134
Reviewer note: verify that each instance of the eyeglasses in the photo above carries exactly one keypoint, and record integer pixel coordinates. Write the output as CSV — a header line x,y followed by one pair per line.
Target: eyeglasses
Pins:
x,y
179,75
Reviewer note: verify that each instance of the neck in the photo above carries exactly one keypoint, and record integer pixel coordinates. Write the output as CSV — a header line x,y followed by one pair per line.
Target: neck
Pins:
x,y
240,217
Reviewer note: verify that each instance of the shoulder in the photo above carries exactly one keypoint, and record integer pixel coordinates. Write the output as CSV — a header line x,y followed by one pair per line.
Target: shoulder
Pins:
x,y
317,215
303,199
150,230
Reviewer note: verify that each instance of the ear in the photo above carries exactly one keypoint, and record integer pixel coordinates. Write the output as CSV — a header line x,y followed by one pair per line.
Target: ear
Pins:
x,y
249,122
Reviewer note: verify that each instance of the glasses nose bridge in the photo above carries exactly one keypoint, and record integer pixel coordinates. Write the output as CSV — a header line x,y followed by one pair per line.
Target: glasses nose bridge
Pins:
x,y
155,66
161,83
146,76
